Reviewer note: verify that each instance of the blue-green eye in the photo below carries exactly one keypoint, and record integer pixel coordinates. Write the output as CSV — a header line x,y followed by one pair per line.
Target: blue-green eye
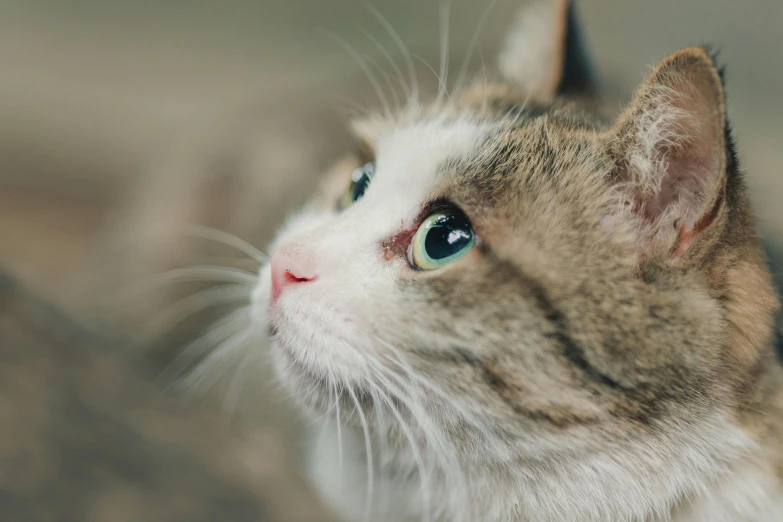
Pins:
x,y
360,180
441,238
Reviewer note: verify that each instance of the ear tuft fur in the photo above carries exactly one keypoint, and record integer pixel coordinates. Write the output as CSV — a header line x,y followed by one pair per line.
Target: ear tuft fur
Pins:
x,y
671,147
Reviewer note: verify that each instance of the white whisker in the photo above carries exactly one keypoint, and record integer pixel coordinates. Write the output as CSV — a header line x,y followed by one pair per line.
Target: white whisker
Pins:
x,y
362,63
338,393
231,240
445,8
417,456
471,47
243,263
329,401
324,417
351,107
392,63
191,305
389,82
311,391
448,457
395,36
415,403
221,330
484,101
368,451
214,366
202,273
460,407
234,392
440,80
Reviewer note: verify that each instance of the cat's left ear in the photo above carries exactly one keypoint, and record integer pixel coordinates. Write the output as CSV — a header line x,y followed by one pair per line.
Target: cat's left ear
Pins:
x,y
544,53
671,154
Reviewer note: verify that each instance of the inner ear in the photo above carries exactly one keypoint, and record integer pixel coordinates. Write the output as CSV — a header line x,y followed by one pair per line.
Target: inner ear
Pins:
x,y
672,150
545,53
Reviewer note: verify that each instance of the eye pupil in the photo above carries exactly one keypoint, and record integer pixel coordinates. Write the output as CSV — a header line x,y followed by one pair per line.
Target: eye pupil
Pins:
x,y
359,186
360,180
446,237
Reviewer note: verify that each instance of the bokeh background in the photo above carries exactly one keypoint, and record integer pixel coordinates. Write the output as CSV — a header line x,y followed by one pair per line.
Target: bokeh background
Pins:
x,y
98,96
122,119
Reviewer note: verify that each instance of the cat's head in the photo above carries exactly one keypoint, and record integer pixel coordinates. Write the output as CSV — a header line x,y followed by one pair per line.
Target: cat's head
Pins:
x,y
523,285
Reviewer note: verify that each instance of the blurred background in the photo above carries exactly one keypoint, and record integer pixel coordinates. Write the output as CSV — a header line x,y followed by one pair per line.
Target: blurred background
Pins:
x,y
122,119
115,110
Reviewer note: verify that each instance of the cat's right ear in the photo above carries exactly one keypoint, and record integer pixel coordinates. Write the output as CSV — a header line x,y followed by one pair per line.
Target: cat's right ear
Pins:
x,y
671,150
545,55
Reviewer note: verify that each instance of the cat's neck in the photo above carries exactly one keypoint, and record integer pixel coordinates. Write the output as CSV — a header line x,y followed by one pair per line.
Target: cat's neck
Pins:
x,y
728,468
753,491
734,477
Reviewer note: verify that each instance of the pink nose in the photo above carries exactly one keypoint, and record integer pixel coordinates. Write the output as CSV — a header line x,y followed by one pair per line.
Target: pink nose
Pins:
x,y
291,266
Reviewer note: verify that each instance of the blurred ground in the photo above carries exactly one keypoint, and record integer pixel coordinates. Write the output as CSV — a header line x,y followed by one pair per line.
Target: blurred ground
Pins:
x,y
110,109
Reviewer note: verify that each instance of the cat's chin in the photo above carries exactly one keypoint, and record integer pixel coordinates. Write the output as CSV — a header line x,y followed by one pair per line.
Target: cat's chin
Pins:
x,y
298,377
318,389
316,335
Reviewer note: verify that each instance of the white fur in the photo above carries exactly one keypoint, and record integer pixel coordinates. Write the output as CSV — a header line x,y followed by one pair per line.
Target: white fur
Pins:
x,y
635,481
658,127
750,494
346,246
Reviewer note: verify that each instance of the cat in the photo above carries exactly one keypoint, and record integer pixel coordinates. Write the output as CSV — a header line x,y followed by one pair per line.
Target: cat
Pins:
x,y
506,307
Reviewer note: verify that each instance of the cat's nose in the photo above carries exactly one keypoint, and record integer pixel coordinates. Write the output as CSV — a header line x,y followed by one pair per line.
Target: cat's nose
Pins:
x,y
291,266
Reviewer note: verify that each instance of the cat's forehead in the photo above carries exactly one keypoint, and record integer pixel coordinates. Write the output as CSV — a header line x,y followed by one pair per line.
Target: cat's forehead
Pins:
x,y
410,157
437,135
416,150
479,149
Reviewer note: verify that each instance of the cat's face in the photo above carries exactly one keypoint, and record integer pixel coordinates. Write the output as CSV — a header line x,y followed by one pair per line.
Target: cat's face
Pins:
x,y
482,247
520,281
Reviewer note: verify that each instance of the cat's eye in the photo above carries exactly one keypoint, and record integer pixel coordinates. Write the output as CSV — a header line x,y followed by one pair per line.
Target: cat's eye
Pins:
x,y
441,238
360,180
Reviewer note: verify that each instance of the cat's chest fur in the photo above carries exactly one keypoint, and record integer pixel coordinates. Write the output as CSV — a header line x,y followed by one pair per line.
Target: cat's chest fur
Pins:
x,y
751,494
748,491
